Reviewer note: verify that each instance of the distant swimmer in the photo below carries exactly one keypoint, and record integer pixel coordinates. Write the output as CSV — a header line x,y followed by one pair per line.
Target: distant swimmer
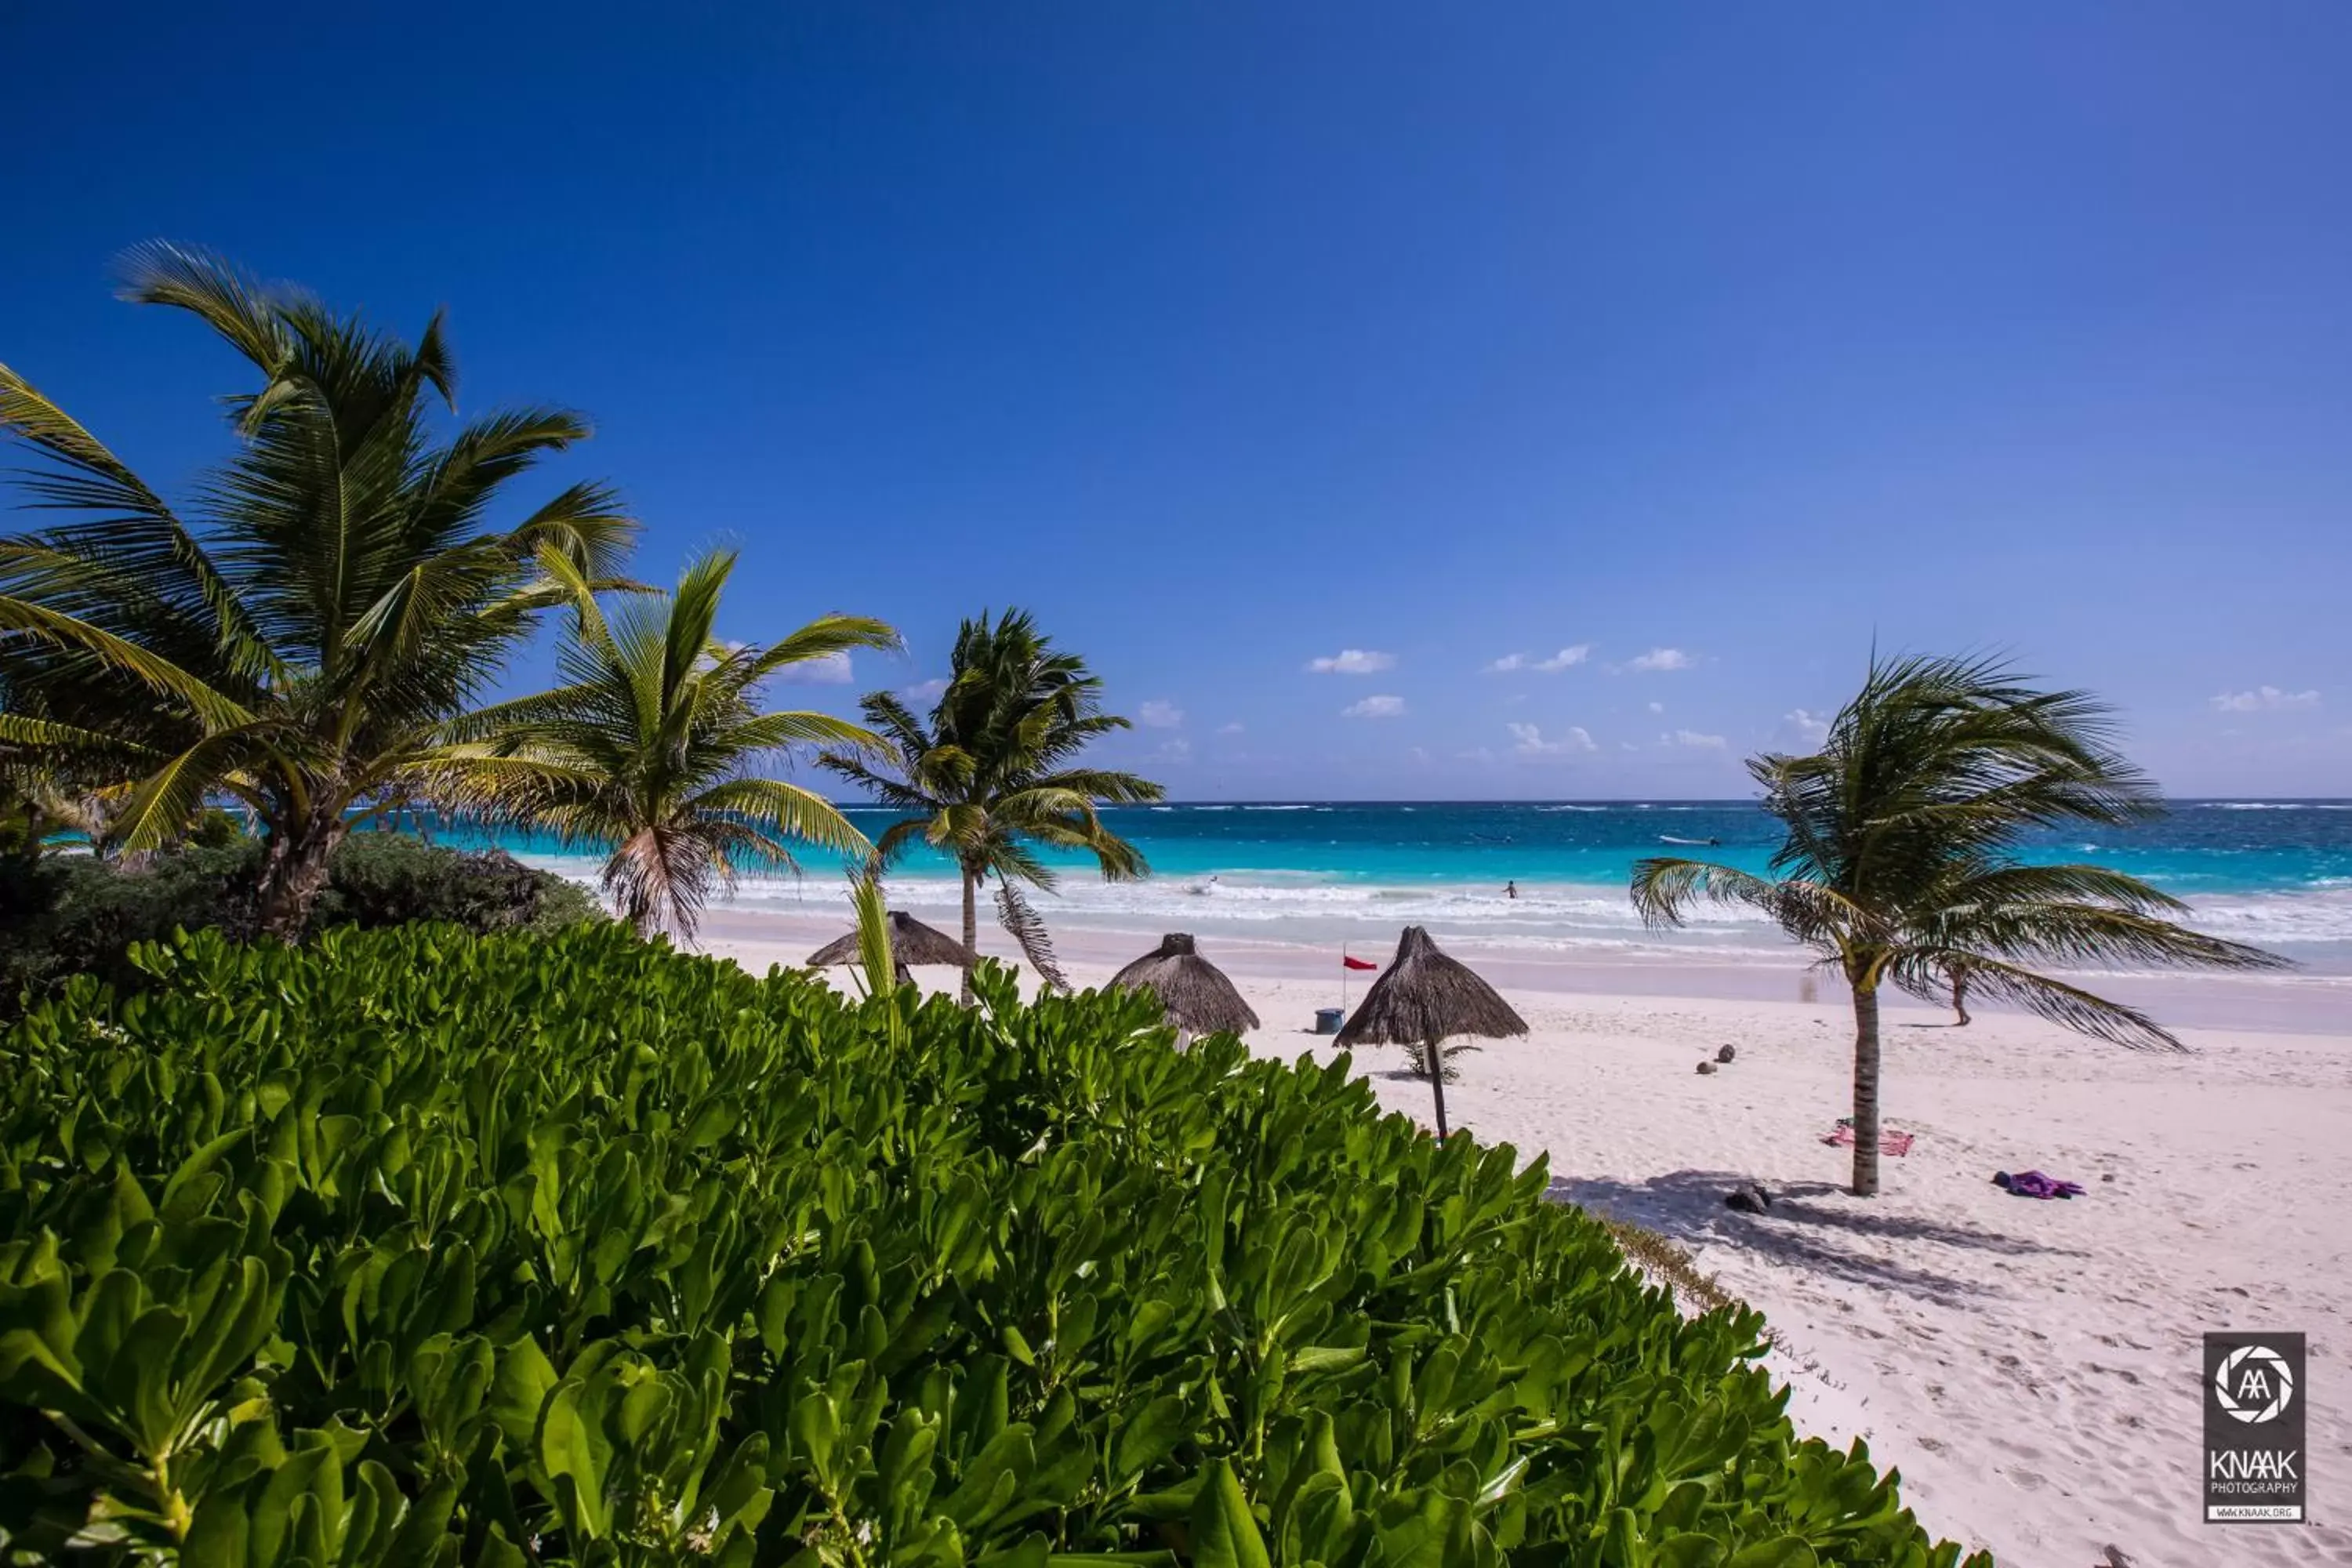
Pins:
x,y
1510,889
1202,890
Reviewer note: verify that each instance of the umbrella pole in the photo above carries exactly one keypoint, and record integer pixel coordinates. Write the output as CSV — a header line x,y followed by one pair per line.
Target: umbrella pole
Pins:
x,y
1436,1059
1343,984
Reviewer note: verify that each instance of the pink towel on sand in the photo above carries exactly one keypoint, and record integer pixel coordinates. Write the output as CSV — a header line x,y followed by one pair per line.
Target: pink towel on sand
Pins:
x,y
1889,1142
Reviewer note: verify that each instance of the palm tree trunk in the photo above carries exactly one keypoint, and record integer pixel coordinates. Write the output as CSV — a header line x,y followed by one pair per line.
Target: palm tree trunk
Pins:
x,y
1436,1059
293,875
1865,1091
971,925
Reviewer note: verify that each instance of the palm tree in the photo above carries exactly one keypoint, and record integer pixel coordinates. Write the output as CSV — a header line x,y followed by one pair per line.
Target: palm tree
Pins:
x,y
650,744
991,774
300,634
1900,864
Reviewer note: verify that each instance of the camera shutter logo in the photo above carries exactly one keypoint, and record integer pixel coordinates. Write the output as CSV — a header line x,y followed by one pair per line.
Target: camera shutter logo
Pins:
x,y
2254,1385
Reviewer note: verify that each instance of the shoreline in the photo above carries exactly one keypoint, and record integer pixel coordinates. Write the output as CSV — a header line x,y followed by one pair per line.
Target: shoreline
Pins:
x,y
2292,1002
2032,1369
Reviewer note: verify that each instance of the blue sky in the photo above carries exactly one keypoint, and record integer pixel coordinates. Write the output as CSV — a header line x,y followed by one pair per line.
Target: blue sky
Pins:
x,y
1712,342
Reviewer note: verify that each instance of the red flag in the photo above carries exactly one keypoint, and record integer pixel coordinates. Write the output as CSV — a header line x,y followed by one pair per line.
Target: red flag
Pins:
x,y
1353,962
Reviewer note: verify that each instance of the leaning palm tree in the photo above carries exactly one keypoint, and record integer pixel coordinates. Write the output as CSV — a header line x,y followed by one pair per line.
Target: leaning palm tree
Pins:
x,y
299,633
1900,863
991,774
652,743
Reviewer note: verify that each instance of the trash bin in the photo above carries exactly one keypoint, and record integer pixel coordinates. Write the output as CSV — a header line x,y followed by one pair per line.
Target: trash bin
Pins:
x,y
1326,1020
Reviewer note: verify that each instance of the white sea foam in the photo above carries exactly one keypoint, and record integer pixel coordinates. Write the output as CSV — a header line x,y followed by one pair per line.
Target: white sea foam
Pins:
x,y
2314,925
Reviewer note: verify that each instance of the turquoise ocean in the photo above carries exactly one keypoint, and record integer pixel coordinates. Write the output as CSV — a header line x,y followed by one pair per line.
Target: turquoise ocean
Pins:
x,y
2274,872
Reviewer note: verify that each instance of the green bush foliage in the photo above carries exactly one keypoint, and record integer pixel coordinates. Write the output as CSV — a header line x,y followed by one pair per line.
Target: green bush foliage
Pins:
x,y
62,915
410,1247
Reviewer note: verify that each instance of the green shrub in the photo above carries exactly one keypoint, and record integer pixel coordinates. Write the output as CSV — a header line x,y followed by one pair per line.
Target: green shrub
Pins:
x,y
62,915
414,1248
390,878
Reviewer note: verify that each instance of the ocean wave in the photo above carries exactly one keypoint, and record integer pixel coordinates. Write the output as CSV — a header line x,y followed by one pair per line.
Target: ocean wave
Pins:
x,y
2312,922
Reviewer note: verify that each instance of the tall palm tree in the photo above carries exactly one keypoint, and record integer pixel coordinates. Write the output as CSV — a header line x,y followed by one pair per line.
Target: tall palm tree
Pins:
x,y
991,774
1900,863
651,745
300,633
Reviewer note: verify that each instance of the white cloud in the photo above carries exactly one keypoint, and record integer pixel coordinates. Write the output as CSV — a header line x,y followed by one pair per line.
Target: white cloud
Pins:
x,y
1552,664
1694,739
1810,727
1178,750
924,690
1657,706
825,669
2264,699
1660,659
1421,755
1476,755
1160,715
1233,729
1353,661
1529,742
1382,707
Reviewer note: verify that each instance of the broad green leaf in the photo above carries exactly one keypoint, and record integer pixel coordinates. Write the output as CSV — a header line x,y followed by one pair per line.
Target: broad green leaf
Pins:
x,y
1224,1534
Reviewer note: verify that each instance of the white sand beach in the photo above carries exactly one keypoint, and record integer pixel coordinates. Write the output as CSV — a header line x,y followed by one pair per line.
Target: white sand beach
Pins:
x,y
2033,1368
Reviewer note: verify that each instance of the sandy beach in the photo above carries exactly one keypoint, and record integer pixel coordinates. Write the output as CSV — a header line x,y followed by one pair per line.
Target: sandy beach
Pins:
x,y
2033,1368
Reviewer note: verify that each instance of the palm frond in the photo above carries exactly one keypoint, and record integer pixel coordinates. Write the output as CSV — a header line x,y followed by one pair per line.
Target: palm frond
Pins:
x,y
1665,888
1017,915
1922,970
774,732
791,810
249,317
167,798
2082,935
873,956
216,710
48,735
822,638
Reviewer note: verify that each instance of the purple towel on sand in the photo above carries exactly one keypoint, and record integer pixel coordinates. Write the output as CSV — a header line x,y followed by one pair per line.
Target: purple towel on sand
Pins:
x,y
2035,1184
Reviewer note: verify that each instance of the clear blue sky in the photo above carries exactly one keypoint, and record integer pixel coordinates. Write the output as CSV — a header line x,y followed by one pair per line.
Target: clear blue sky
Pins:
x,y
1228,338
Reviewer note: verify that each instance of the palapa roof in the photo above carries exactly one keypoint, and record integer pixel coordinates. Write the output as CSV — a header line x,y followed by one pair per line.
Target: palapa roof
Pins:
x,y
912,943
1195,992
1426,995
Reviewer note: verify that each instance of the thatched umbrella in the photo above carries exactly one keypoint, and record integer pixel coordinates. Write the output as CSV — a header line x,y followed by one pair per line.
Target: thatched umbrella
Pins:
x,y
912,943
1198,998
1423,999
